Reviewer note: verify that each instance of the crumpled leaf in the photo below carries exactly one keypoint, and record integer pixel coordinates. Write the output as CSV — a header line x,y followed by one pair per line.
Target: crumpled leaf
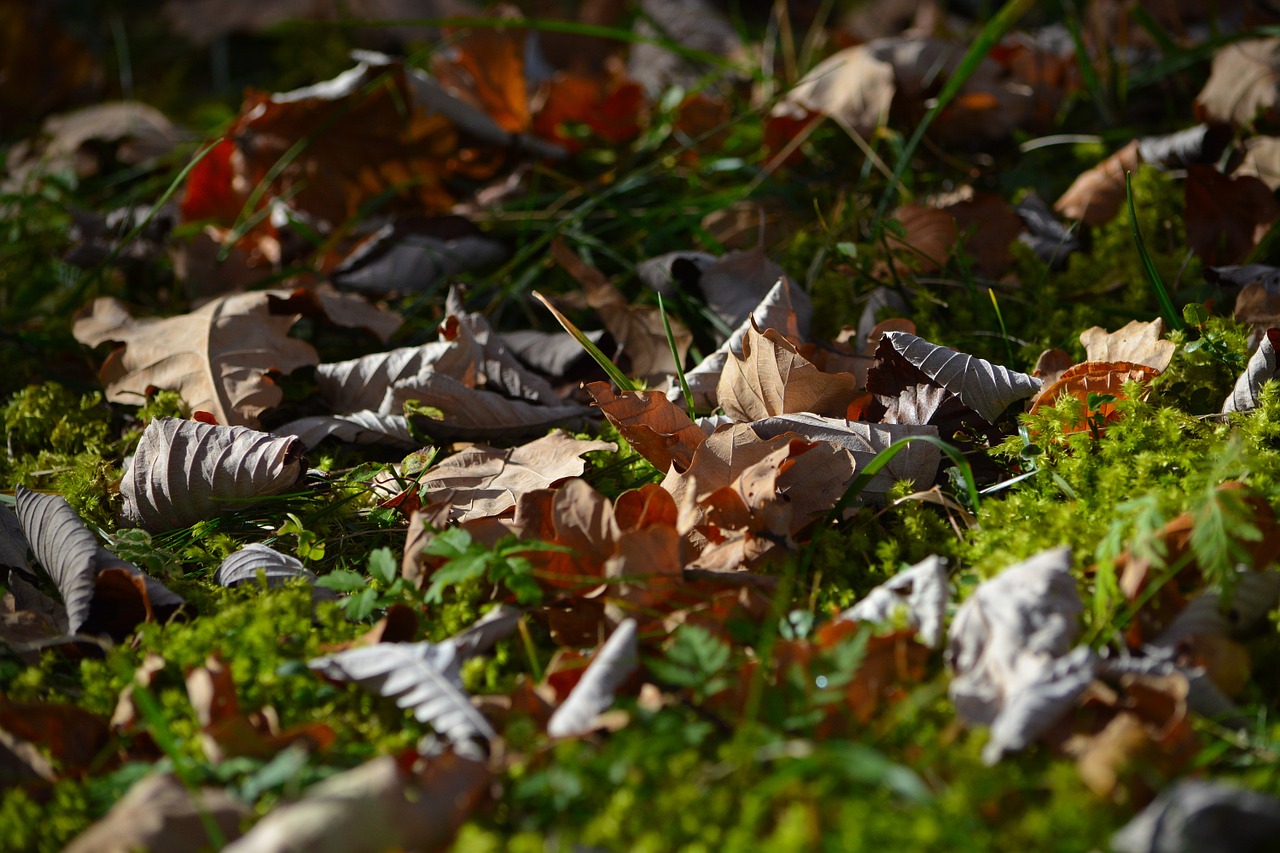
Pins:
x,y
1096,195
1260,370
917,595
655,427
1204,816
483,481
380,805
475,415
1029,609
185,471
101,592
1041,690
594,692
251,561
363,384
160,815
986,388
785,307
772,377
362,427
1136,342
917,462
1242,82
217,357
422,677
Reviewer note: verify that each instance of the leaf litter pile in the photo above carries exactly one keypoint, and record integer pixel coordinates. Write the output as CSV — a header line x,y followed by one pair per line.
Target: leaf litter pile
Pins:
x,y
650,426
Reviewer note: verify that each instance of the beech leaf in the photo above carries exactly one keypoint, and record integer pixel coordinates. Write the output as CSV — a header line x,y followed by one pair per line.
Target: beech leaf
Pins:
x,y
476,415
1204,816
772,378
656,428
217,357
13,545
611,666
185,471
919,595
1136,342
247,563
1260,370
422,677
363,427
1040,692
1096,195
986,388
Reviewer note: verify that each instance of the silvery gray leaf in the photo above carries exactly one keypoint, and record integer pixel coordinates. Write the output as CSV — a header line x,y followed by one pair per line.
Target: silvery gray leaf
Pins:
x,y
1041,691
1198,816
1031,608
360,384
13,545
593,694
503,372
917,461
257,559
395,260
785,307
364,427
919,595
1260,370
473,414
1052,241
731,286
986,388
73,557
496,625
881,299
185,471
422,677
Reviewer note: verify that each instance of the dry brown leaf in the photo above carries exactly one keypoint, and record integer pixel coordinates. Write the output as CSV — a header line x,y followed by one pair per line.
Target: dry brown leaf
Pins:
x,y
1262,160
485,481
37,731
1096,195
925,247
1226,215
1136,342
217,357
1051,364
855,86
1242,82
773,378
987,226
655,427
1095,377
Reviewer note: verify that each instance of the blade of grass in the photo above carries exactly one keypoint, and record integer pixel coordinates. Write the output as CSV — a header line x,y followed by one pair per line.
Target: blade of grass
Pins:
x,y
1171,315
619,378
1004,331
675,358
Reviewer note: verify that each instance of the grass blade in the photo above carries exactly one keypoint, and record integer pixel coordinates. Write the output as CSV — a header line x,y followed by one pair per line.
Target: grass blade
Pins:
x,y
619,378
1171,316
675,357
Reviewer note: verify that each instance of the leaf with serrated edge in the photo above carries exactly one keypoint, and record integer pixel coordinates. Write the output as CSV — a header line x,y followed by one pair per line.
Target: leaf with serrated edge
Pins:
x,y
1261,369
185,471
593,694
986,388
422,677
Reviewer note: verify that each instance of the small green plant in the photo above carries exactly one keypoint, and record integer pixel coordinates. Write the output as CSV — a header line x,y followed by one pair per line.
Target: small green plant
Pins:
x,y
379,589
502,565
310,546
696,660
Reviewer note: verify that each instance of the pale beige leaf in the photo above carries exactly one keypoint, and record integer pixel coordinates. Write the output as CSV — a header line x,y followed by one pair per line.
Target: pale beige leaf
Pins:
x,y
773,378
1262,161
217,357
1242,81
184,472
917,596
485,481
1096,195
160,815
1136,343
655,427
986,388
855,86
373,808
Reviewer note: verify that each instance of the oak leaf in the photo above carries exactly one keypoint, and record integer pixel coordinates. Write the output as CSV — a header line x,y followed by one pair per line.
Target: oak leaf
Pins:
x,y
1242,82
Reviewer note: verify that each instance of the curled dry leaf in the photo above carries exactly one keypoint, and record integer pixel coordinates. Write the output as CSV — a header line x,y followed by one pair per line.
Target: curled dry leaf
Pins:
x,y
217,357
731,286
101,592
655,427
594,692
1103,378
185,471
1028,610
363,427
363,384
13,545
917,462
498,624
161,815
258,560
917,595
475,415
986,388
1096,195
772,377
1136,342
421,677
380,805
1040,692
1205,816
1260,370
1242,82
484,481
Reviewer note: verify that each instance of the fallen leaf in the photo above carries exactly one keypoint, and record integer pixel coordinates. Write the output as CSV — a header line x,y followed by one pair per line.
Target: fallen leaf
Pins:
x,y
414,254
101,592
732,286
256,561
72,737
1242,82
1260,370
93,140
611,109
1103,378
655,427
1227,215
377,806
696,25
928,239
217,357
772,378
161,815
917,596
185,471
1040,692
1262,160
363,427
987,226
1202,815
1136,342
1095,196
476,415
611,666
421,677
13,544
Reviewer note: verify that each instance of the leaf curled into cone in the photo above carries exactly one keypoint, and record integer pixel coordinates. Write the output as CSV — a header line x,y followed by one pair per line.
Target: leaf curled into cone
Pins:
x,y
659,430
